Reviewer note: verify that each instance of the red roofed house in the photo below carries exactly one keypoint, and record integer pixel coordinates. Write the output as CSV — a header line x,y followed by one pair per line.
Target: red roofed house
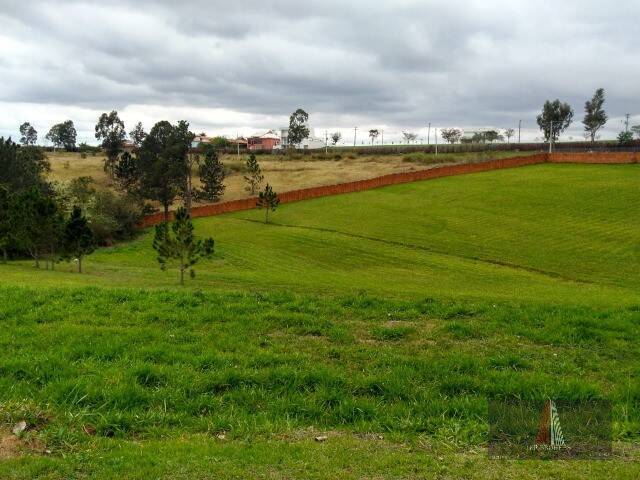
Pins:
x,y
267,141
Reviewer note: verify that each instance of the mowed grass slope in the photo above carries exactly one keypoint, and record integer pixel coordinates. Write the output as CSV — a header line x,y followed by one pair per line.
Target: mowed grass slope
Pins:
x,y
382,320
550,233
119,383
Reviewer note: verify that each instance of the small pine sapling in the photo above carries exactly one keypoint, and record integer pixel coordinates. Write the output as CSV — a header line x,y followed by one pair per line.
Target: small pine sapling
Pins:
x,y
179,243
268,199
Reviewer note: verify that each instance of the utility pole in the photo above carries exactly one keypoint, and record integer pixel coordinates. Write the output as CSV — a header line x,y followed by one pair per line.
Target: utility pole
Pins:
x,y
326,143
436,134
626,123
355,134
429,134
519,129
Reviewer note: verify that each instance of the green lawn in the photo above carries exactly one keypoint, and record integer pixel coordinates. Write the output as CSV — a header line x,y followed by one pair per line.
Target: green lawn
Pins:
x,y
382,320
550,233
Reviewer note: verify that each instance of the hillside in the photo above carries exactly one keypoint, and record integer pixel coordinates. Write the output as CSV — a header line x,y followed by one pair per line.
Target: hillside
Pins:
x,y
356,336
549,233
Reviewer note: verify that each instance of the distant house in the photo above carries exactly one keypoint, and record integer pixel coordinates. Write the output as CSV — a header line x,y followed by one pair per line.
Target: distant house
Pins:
x,y
266,141
238,143
128,146
198,139
310,143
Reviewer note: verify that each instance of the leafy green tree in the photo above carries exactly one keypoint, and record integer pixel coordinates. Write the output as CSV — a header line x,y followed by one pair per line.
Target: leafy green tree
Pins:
x,y
111,133
63,135
138,134
162,163
451,135
178,243
78,237
254,175
212,175
34,219
409,137
594,117
21,168
625,138
5,222
126,173
29,134
298,127
554,119
373,134
335,137
269,200
492,136
219,142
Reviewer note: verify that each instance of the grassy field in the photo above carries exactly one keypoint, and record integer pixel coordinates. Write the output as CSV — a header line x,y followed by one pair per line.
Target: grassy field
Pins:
x,y
382,320
285,172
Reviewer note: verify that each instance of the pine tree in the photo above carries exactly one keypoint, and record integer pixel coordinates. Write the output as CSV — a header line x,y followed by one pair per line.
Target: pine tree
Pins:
x,y
212,176
268,199
179,243
254,175
78,237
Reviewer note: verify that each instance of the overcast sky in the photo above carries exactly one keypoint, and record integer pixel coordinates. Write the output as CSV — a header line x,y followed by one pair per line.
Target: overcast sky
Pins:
x,y
241,66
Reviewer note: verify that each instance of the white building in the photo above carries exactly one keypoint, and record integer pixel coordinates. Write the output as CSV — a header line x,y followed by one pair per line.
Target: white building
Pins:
x,y
310,143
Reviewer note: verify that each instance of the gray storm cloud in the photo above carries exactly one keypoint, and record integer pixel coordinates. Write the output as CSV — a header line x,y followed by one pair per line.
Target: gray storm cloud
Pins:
x,y
398,64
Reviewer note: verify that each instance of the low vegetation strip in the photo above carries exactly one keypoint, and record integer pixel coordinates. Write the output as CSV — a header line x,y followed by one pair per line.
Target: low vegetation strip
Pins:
x,y
406,177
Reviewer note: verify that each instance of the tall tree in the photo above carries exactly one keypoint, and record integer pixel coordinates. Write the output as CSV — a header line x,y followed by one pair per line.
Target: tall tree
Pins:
x,y
78,237
492,136
22,168
138,134
254,175
33,215
162,163
409,137
212,175
5,222
594,115
451,135
180,244
29,135
335,137
126,173
625,139
63,135
554,119
298,127
373,134
110,132
509,132
269,200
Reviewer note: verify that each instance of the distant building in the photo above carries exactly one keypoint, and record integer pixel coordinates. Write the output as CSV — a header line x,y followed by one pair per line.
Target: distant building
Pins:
x,y
310,143
128,146
198,139
267,141
236,143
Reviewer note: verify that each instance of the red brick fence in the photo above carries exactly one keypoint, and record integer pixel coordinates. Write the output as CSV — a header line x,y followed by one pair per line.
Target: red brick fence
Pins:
x,y
406,177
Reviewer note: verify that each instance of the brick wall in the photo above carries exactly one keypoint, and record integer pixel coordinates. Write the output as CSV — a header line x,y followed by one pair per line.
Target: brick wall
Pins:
x,y
595,157
406,177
